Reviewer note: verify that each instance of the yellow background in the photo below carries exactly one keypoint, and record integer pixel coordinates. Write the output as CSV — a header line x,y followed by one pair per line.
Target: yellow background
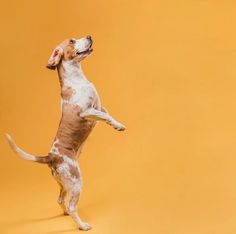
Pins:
x,y
167,70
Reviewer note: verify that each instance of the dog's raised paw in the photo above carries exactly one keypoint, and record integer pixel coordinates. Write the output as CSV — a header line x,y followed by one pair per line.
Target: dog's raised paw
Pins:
x,y
85,227
119,127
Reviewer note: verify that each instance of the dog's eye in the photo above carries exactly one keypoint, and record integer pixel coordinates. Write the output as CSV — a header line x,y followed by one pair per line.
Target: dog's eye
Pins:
x,y
72,41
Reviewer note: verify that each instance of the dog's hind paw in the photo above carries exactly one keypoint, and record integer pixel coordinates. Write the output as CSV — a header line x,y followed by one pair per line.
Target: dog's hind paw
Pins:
x,y
65,213
85,226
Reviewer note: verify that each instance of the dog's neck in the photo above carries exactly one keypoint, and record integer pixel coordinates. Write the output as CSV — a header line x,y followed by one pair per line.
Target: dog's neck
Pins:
x,y
68,70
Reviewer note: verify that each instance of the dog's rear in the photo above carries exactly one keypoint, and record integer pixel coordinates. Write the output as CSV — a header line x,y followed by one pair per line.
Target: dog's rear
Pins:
x,y
66,172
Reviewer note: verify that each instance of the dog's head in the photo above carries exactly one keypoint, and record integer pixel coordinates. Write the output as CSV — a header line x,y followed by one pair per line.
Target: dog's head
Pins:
x,y
71,49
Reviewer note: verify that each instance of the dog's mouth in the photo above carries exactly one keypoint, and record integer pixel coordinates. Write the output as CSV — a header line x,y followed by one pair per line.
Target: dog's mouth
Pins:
x,y
85,52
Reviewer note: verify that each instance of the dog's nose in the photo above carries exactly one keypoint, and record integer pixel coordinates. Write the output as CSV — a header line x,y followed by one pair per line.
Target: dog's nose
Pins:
x,y
89,37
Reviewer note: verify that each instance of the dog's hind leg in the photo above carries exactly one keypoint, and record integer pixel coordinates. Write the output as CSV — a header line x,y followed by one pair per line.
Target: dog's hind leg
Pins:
x,y
73,200
61,199
95,115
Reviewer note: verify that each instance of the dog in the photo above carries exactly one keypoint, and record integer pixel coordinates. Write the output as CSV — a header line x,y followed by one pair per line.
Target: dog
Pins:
x,y
81,109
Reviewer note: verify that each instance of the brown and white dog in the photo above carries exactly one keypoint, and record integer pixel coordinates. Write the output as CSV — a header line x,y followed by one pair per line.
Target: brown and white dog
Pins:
x,y
81,109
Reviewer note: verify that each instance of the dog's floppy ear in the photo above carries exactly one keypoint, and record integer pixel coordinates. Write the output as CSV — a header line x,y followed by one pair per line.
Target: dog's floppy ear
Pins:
x,y
55,58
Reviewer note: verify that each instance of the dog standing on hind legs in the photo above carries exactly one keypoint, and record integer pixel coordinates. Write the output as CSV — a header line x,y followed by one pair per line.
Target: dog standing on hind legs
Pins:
x,y
81,109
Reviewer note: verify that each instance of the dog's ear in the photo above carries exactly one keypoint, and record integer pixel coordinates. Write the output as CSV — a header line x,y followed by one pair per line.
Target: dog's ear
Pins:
x,y
55,58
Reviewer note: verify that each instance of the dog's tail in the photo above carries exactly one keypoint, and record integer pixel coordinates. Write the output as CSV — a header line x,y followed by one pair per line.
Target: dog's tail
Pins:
x,y
25,155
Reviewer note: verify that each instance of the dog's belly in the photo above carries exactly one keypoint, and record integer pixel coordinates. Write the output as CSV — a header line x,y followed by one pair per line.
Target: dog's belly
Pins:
x,y
72,132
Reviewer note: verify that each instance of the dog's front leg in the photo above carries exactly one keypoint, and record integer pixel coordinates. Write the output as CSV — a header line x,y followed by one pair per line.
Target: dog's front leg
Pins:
x,y
95,115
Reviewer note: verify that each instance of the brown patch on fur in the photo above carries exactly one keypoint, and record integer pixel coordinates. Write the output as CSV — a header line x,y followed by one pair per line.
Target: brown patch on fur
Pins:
x,y
55,159
73,130
69,50
74,171
67,92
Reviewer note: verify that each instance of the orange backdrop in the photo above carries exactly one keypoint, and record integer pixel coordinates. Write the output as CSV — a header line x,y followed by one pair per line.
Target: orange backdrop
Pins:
x,y
166,69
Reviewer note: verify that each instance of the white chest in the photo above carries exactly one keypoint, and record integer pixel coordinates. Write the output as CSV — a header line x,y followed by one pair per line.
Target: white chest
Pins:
x,y
83,92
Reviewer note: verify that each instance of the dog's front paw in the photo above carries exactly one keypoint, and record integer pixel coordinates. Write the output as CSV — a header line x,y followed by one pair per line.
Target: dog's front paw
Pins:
x,y
119,127
85,226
